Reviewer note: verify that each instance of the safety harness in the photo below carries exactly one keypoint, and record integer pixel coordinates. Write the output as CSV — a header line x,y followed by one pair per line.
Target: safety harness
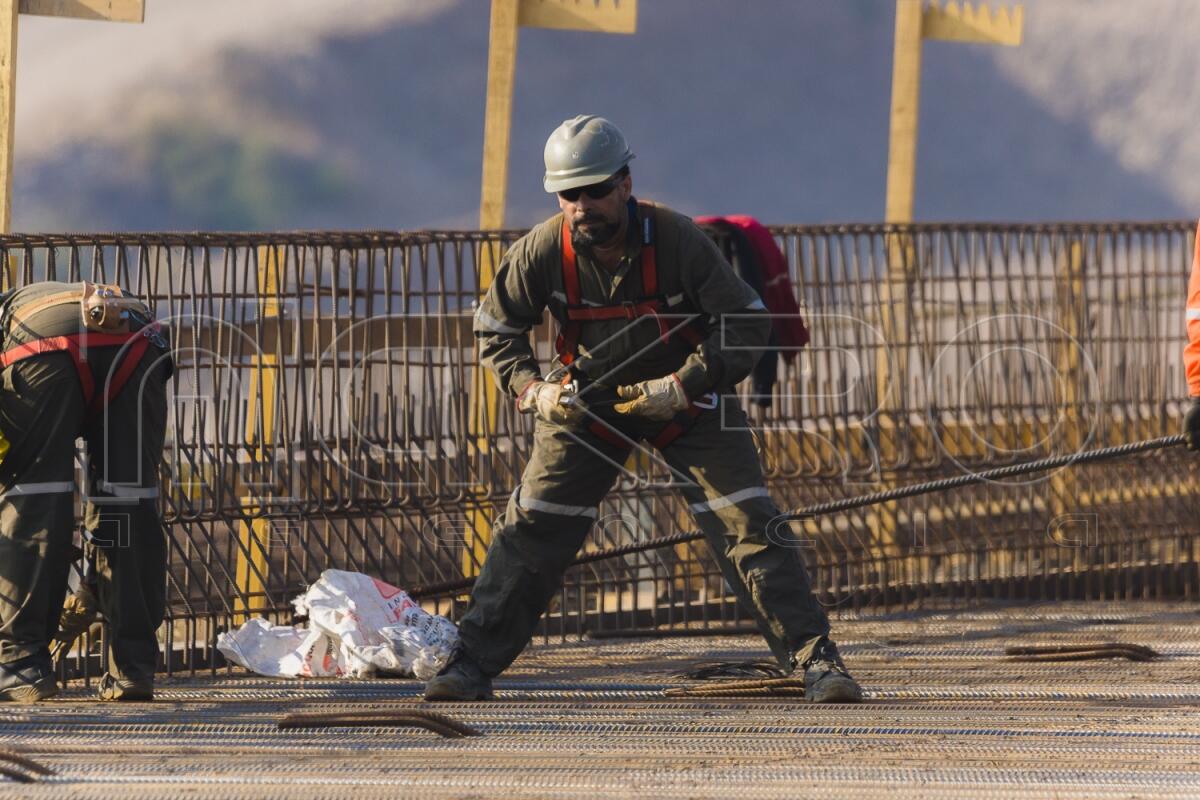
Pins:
x,y
650,304
110,312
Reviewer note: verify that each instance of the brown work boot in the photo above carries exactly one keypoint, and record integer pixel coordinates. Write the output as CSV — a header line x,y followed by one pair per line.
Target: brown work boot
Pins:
x,y
826,679
461,680
27,680
140,690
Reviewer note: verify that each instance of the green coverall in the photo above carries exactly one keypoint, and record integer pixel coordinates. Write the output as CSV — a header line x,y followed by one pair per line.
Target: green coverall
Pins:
x,y
42,413
571,469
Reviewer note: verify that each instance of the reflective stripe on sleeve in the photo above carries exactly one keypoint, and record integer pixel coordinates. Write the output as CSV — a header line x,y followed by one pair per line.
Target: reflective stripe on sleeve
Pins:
x,y
724,501
494,325
1193,313
757,305
562,298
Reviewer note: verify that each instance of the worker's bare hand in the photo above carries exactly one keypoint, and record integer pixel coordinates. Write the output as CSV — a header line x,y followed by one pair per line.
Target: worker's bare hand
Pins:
x,y
658,399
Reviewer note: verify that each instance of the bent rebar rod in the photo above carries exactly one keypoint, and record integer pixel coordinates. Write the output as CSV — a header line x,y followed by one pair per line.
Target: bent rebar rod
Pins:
x,y
845,504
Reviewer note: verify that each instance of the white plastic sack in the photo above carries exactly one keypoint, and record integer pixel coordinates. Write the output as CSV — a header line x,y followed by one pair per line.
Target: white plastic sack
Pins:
x,y
358,626
377,627
280,651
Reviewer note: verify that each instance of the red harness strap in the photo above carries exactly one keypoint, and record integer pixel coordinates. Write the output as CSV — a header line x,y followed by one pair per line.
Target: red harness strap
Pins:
x,y
74,344
667,434
649,305
677,427
608,434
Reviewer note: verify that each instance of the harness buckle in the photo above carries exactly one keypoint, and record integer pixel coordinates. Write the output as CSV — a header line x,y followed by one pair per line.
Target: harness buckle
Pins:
x,y
707,402
630,309
570,392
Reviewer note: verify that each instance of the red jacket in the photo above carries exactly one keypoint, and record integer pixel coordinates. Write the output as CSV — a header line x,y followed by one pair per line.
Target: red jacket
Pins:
x,y
778,297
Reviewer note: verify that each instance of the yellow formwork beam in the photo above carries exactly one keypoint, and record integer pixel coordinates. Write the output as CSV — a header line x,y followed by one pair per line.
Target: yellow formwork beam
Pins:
x,y
966,22
107,10
1069,296
8,100
252,568
915,21
598,16
507,18
497,120
906,99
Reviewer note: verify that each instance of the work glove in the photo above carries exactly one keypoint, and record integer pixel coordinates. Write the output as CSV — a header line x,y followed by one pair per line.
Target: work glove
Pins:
x,y
659,399
1191,425
552,402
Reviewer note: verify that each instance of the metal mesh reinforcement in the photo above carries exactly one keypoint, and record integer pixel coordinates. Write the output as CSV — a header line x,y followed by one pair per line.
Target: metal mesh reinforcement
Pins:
x,y
945,716
326,413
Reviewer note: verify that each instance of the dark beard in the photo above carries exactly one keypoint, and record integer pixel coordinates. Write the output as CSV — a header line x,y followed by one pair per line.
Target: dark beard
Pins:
x,y
585,240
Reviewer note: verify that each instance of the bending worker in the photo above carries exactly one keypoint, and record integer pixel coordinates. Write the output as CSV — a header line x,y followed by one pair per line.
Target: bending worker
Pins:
x,y
655,328
1191,352
80,359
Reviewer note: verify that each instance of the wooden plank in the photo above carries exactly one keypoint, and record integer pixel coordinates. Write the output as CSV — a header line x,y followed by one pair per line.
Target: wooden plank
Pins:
x,y
601,16
108,10
8,83
497,130
497,124
906,97
973,23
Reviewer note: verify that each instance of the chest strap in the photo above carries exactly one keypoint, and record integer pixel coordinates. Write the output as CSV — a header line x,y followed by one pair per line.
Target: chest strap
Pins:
x,y
651,304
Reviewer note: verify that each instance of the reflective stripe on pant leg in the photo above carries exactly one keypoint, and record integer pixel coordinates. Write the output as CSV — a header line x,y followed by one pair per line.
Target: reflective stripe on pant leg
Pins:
x,y
46,487
126,444
525,562
727,500
119,494
733,507
534,540
770,563
533,504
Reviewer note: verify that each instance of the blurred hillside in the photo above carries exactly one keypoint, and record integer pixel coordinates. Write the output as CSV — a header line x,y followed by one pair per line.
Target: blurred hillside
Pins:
x,y
370,114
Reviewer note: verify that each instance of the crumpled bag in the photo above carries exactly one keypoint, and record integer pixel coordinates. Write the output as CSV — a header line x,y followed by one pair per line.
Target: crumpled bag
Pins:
x,y
358,627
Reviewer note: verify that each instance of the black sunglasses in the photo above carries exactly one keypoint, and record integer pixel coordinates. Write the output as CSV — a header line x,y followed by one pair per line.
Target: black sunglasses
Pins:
x,y
595,191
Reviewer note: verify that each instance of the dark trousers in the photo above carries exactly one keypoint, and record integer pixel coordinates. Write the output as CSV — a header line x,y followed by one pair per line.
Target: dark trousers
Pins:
x,y
42,413
547,518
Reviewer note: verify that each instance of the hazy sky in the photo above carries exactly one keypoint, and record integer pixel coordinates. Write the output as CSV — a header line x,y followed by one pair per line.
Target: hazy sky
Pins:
x,y
86,66
1121,74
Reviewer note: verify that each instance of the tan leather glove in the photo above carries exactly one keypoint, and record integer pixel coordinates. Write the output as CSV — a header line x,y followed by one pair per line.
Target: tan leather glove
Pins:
x,y
552,402
659,399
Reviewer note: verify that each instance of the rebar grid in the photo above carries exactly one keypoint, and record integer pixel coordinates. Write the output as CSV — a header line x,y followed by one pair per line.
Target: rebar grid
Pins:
x,y
936,350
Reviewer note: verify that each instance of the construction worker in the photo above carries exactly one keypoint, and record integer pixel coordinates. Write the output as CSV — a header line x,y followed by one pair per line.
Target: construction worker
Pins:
x,y
80,360
655,328
1191,353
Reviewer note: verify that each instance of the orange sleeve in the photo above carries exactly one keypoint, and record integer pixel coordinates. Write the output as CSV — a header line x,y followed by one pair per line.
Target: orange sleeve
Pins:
x,y
1191,353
